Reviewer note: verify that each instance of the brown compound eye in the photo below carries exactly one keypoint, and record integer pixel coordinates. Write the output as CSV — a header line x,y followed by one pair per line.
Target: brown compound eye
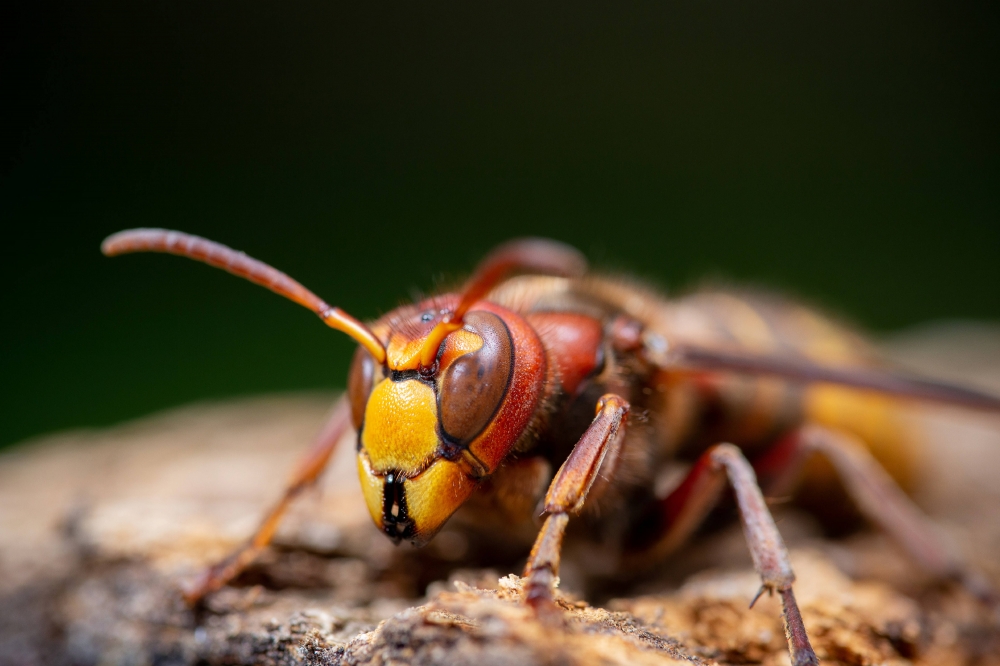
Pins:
x,y
359,384
473,385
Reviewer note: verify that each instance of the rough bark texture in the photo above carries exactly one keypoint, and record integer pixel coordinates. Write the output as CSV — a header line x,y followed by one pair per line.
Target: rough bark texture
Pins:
x,y
98,529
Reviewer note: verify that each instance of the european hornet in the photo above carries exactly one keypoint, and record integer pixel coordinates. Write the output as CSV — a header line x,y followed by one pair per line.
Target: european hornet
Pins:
x,y
469,400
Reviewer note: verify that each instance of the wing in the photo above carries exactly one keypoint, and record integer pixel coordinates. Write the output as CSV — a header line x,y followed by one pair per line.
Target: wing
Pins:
x,y
804,370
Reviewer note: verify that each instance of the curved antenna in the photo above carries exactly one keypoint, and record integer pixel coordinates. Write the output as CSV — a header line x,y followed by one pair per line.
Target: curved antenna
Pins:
x,y
540,256
238,263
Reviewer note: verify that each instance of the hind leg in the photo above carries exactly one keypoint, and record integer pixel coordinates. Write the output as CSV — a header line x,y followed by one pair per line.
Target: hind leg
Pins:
x,y
674,518
876,495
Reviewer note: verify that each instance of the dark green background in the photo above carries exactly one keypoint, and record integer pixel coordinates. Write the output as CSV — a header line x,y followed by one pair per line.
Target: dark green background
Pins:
x,y
848,153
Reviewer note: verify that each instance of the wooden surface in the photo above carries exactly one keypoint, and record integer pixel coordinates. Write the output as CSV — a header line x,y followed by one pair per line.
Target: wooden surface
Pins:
x,y
98,528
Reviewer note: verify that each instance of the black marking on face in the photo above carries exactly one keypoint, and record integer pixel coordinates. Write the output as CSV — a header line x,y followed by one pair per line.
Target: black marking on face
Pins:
x,y
396,523
403,375
426,376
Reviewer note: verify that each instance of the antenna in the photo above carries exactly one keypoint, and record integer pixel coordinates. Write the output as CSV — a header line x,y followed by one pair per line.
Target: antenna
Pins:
x,y
524,255
244,266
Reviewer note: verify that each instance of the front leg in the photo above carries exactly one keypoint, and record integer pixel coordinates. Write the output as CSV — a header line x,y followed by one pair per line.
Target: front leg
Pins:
x,y
566,495
310,466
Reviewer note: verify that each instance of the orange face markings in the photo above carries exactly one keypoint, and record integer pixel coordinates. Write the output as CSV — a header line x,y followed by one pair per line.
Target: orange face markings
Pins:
x,y
458,344
435,494
400,431
371,488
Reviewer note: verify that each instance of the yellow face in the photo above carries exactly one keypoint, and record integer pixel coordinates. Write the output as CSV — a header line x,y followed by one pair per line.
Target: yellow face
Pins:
x,y
417,426
409,488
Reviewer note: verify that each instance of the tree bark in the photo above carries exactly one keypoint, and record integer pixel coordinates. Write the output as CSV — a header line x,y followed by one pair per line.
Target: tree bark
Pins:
x,y
99,528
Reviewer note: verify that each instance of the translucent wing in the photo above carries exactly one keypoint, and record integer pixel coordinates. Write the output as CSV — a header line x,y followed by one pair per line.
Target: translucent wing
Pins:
x,y
804,370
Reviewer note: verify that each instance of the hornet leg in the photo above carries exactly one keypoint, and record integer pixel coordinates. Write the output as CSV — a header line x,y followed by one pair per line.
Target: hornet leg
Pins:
x,y
680,513
308,470
877,497
566,495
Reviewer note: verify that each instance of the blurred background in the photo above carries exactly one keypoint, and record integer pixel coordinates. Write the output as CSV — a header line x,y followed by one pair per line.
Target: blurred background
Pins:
x,y
847,154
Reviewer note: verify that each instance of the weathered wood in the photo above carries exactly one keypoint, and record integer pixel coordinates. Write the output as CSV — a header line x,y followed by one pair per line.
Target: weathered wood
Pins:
x,y
98,528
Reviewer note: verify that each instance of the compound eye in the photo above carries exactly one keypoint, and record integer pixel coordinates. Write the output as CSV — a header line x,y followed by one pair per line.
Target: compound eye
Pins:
x,y
473,385
359,384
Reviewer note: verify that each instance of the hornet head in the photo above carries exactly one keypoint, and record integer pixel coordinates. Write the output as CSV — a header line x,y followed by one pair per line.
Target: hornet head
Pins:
x,y
428,433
